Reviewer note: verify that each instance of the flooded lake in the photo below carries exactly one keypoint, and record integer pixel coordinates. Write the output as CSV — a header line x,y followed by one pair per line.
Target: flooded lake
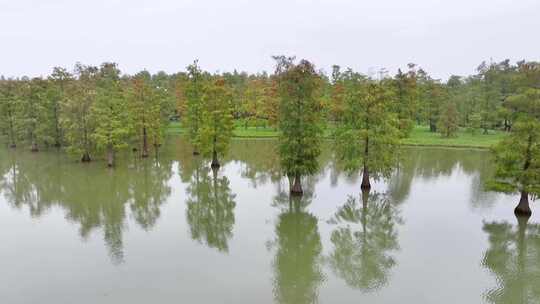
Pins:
x,y
172,231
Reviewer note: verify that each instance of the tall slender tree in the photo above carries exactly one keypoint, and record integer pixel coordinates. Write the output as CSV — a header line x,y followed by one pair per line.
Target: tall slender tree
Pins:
x,y
110,113
368,136
60,79
78,122
517,157
406,100
33,118
217,121
300,119
194,91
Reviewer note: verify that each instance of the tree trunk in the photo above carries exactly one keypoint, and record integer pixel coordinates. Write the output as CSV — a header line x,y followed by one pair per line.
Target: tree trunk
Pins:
x,y
34,146
57,143
86,157
145,143
110,157
432,126
365,179
156,151
215,163
523,208
506,125
297,186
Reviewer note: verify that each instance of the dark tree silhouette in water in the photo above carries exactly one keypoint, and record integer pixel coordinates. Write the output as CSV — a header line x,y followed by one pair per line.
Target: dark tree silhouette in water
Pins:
x,y
364,241
210,208
513,258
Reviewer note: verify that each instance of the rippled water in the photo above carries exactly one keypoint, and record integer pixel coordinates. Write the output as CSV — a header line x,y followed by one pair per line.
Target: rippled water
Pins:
x,y
172,231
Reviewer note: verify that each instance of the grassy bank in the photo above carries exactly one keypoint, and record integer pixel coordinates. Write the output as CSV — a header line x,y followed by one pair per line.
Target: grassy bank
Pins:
x,y
420,136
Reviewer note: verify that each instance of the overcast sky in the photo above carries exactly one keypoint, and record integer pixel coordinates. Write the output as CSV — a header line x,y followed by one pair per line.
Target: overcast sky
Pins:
x,y
443,36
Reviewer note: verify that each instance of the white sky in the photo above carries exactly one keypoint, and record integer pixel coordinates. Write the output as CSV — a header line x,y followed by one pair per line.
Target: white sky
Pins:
x,y
443,36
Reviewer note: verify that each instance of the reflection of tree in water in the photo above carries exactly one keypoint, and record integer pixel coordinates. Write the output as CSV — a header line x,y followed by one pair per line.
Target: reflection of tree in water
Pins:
x,y
187,162
364,240
16,187
91,196
210,208
149,190
514,258
298,244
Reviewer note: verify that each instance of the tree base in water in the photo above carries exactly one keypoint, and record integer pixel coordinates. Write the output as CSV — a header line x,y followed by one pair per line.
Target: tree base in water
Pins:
x,y
86,158
522,212
523,208
297,192
215,164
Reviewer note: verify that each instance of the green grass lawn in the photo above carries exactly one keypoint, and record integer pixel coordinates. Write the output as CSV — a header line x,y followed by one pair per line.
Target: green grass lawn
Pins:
x,y
420,136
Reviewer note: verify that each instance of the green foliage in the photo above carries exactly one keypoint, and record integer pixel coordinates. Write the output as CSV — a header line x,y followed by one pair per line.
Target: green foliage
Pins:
x,y
194,91
431,95
368,135
59,81
517,159
300,117
217,119
110,111
10,108
475,122
406,99
77,121
73,110
149,106
33,113
448,122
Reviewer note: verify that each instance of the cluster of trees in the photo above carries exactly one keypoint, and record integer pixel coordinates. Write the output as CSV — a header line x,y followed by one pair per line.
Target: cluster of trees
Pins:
x,y
90,110
97,109
372,115
67,108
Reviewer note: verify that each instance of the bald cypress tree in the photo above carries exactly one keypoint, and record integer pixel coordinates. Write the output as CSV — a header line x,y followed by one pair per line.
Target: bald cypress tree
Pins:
x,y
111,113
367,137
217,121
300,119
194,89
517,157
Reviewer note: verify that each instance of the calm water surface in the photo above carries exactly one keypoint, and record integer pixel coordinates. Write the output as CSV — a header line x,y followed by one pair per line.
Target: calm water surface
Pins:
x,y
172,231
